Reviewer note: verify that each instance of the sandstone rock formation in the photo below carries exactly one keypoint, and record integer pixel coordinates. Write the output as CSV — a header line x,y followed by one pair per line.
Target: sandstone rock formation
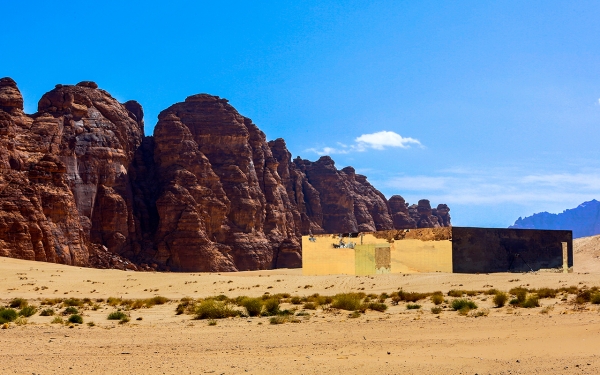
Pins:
x,y
81,185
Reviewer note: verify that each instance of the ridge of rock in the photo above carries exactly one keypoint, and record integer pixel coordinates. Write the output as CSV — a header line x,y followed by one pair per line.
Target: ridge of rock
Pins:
x,y
81,185
583,220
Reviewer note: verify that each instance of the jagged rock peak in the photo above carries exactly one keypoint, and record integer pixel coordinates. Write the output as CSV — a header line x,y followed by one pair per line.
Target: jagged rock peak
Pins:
x,y
10,96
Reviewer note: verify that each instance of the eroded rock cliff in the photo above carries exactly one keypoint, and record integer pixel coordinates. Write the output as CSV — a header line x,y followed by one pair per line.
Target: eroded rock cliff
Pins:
x,y
81,185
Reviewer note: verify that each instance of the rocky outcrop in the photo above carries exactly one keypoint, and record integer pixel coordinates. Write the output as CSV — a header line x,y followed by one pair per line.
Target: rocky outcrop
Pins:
x,y
64,176
81,185
583,220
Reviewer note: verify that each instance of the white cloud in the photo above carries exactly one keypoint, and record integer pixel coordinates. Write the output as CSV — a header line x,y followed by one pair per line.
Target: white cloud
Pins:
x,y
378,141
381,140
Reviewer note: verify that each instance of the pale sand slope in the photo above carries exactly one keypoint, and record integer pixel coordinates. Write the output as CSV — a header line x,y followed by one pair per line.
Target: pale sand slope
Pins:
x,y
586,254
507,341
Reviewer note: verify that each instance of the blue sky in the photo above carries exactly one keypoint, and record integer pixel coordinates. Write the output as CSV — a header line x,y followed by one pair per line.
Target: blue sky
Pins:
x,y
490,107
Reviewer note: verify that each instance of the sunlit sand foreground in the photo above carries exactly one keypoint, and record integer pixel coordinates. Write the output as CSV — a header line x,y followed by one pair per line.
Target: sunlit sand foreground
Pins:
x,y
556,338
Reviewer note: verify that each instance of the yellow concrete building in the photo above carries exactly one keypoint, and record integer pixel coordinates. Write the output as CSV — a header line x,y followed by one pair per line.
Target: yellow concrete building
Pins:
x,y
396,251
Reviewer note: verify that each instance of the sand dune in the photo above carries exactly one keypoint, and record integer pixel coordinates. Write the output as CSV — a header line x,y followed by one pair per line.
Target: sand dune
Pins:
x,y
555,338
586,254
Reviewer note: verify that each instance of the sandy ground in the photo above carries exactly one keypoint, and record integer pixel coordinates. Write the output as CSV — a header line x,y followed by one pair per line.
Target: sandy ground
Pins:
x,y
555,338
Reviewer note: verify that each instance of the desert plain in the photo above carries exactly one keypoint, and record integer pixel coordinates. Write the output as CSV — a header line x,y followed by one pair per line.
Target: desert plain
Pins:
x,y
560,336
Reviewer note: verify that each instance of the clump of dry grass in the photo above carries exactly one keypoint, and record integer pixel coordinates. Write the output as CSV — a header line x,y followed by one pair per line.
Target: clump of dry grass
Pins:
x,y
281,319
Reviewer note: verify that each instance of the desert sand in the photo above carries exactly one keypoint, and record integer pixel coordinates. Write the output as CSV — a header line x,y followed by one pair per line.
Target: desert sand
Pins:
x,y
556,338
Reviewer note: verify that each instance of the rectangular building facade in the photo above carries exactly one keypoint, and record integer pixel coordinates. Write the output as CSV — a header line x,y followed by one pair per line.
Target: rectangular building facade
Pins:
x,y
455,249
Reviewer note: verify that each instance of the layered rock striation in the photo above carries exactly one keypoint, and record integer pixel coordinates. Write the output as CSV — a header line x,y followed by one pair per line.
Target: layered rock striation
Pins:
x,y
81,185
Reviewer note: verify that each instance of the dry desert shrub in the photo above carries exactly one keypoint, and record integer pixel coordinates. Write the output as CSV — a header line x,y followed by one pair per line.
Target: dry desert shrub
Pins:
x,y
436,310
57,320
309,306
520,293
545,292
47,312
21,321
116,315
437,298
376,306
28,311
531,301
51,301
212,309
478,313
70,311
456,293
500,299
547,309
253,306
281,319
347,301
18,303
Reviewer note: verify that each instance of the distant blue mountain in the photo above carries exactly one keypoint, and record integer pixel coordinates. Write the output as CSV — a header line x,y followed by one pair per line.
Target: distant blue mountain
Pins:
x,y
584,220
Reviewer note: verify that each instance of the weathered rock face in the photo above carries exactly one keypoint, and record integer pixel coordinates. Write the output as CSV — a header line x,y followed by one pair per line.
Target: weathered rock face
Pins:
x,y
64,174
81,185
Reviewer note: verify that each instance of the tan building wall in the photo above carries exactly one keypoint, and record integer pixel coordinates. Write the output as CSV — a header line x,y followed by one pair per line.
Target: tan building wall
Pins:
x,y
321,258
413,251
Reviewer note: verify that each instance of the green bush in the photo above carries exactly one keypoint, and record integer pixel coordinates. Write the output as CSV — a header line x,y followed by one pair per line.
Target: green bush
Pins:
x,y
47,312
377,306
412,306
28,311
253,306
211,309
7,315
595,299
346,301
436,310
18,303
461,303
116,315
271,306
520,293
76,319
70,311
500,299
514,302
531,301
